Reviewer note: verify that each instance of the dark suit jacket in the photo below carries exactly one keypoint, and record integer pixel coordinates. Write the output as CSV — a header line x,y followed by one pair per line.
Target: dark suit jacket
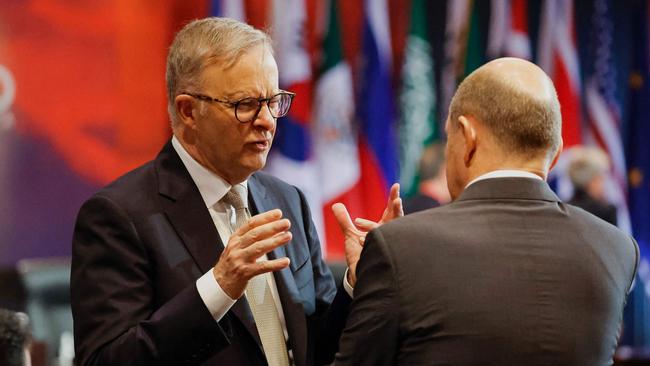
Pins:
x,y
140,244
418,202
505,275
603,210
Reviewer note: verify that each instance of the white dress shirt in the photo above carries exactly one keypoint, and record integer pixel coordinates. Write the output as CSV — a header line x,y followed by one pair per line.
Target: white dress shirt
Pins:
x,y
212,189
504,173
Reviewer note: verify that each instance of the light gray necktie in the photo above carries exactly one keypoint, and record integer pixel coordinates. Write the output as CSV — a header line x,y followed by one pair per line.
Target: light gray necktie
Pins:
x,y
258,294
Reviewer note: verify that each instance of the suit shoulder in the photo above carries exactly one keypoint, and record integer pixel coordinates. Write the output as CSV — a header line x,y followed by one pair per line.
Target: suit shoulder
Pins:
x,y
277,185
268,179
138,182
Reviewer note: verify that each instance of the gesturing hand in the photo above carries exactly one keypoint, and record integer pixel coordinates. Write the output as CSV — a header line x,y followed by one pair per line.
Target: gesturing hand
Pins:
x,y
355,233
238,262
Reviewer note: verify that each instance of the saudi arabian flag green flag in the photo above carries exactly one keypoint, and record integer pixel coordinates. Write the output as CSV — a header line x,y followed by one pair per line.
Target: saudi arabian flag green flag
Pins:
x,y
417,125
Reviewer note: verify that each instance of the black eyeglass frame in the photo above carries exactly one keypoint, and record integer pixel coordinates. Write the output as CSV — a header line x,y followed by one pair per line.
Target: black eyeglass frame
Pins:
x,y
235,104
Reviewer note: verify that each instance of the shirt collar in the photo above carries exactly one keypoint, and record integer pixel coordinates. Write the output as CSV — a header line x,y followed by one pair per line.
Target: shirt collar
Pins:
x,y
504,173
211,186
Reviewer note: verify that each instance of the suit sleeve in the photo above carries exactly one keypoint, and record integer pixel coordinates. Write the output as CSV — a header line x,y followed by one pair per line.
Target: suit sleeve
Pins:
x,y
371,333
116,321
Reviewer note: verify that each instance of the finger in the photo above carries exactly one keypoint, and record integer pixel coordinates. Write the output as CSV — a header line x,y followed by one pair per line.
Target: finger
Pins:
x,y
394,192
270,265
262,247
342,217
262,232
258,220
397,208
364,224
392,196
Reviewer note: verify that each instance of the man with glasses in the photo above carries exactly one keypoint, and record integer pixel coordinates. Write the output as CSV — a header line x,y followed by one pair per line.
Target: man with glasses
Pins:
x,y
196,258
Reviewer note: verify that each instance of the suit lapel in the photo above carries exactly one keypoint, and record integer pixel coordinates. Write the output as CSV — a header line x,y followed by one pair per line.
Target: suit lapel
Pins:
x,y
186,211
292,309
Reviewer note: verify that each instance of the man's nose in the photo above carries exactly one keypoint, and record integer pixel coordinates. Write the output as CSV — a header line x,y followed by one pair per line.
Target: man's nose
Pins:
x,y
264,119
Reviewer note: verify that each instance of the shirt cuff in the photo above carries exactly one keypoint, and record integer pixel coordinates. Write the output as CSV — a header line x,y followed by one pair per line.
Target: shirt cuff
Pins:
x,y
346,285
214,297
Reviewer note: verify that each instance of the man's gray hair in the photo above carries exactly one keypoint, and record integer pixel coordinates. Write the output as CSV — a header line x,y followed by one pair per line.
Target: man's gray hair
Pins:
x,y
586,163
203,42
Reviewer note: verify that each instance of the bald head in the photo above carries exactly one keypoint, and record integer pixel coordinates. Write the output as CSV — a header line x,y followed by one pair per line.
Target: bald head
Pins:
x,y
516,102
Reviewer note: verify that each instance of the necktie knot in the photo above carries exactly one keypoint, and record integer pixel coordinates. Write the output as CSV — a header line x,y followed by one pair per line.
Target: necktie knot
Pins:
x,y
234,197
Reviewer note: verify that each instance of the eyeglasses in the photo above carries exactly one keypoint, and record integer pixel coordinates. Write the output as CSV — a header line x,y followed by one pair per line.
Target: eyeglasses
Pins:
x,y
247,109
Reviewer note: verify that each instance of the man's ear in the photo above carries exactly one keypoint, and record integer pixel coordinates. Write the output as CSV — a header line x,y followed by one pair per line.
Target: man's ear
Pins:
x,y
557,155
468,131
185,110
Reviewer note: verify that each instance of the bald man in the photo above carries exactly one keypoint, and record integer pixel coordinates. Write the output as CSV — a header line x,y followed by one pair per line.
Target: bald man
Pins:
x,y
506,274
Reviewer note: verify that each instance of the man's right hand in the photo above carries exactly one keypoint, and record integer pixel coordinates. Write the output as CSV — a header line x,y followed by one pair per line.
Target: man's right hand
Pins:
x,y
238,262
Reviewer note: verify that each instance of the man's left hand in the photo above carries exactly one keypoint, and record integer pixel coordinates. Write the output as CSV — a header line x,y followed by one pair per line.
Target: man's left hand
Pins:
x,y
355,233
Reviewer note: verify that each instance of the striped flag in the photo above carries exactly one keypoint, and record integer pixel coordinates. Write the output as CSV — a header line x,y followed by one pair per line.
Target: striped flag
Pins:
x,y
508,33
558,56
335,139
376,114
234,9
417,99
291,158
604,109
376,111
518,41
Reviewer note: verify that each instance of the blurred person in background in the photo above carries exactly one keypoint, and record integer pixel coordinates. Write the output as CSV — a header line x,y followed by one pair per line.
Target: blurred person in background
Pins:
x,y
432,189
14,339
588,169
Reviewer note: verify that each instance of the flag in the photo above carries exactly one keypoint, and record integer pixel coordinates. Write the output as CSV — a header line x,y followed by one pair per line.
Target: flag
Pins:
x,y
465,44
376,117
234,9
376,110
603,107
335,138
475,41
291,158
456,25
558,57
417,99
508,32
518,41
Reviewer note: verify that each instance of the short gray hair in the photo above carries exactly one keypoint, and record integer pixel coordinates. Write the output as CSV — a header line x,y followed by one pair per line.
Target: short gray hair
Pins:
x,y
201,43
586,163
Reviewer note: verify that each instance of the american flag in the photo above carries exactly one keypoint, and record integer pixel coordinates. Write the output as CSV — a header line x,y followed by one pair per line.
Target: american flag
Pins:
x,y
603,109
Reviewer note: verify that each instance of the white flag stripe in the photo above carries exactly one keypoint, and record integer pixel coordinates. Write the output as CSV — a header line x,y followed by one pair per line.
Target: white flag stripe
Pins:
x,y
546,37
518,45
499,27
606,125
377,12
565,43
233,9
289,24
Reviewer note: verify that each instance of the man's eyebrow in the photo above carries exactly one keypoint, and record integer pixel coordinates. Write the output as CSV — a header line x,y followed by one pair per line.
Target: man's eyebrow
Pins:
x,y
242,94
